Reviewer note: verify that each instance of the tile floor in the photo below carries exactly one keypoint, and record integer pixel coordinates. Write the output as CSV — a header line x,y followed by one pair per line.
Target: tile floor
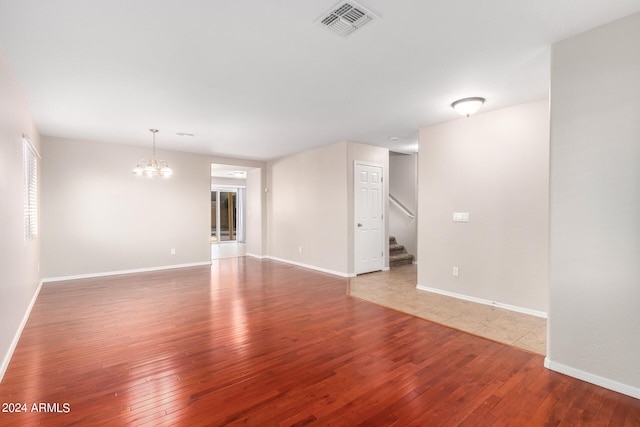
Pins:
x,y
227,250
396,289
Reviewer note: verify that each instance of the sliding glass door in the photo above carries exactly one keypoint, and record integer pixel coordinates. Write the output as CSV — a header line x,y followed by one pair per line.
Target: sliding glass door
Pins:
x,y
224,215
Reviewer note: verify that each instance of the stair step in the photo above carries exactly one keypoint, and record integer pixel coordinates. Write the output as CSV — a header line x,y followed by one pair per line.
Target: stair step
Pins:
x,y
398,254
401,259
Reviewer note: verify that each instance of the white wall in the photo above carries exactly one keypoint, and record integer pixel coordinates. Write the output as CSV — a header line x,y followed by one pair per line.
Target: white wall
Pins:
x,y
495,167
403,183
594,318
98,217
19,260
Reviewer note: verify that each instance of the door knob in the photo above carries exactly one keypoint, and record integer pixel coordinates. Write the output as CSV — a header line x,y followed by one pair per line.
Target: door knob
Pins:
x,y
359,225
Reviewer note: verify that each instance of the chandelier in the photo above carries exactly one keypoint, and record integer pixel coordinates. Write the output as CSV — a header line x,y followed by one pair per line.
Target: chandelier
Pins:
x,y
152,167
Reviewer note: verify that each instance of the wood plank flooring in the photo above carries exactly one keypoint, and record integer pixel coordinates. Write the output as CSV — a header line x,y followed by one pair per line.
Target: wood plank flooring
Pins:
x,y
260,343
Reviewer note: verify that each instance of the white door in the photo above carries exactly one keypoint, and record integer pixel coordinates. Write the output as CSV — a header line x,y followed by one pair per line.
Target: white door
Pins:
x,y
369,229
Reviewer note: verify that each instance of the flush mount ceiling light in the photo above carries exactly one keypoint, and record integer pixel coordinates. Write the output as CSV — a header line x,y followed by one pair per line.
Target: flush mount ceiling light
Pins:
x,y
468,106
152,167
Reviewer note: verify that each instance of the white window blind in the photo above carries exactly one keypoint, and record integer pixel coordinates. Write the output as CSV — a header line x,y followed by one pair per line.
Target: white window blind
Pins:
x,y
30,164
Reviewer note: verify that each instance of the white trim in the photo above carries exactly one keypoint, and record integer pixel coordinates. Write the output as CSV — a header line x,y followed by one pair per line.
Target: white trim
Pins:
x,y
516,308
113,273
227,186
16,338
256,256
312,267
592,378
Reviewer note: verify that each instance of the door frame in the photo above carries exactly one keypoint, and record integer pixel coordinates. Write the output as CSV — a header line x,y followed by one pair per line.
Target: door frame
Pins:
x,y
383,227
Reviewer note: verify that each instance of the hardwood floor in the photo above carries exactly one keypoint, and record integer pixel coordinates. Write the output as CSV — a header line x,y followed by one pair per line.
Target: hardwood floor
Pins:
x,y
256,342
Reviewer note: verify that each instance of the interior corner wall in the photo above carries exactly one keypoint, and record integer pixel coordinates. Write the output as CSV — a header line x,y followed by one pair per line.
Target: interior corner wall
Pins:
x,y
403,185
307,209
99,218
19,259
495,167
594,315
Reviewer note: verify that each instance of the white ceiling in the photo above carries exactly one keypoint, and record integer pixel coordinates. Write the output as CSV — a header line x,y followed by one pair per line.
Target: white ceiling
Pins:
x,y
260,79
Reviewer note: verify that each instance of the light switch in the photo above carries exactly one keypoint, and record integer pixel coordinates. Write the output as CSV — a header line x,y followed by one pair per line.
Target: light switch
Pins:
x,y
461,216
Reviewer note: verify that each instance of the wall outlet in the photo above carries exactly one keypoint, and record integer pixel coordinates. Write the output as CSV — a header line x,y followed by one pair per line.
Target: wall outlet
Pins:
x,y
455,271
300,249
173,251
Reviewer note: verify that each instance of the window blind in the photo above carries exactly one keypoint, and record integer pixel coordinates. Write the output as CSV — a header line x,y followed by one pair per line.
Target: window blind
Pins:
x,y
30,171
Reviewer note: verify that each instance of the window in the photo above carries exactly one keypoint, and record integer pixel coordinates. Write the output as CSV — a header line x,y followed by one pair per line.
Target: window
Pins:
x,y
30,163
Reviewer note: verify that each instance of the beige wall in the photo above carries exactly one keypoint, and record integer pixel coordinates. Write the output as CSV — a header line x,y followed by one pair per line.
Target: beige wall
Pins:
x,y
594,316
254,213
98,217
307,206
103,219
310,208
495,167
403,184
19,260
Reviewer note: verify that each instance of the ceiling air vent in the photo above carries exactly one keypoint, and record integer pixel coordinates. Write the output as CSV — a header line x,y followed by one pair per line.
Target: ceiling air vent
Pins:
x,y
346,17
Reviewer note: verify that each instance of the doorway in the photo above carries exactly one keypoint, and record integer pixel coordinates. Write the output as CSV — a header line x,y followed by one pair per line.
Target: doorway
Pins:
x,y
228,185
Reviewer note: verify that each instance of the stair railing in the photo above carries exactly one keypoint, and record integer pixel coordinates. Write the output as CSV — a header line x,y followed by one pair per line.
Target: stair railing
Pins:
x,y
402,207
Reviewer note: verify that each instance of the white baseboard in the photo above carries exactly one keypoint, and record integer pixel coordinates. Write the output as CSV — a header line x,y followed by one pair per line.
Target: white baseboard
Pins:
x,y
256,256
592,378
516,308
113,273
311,267
16,337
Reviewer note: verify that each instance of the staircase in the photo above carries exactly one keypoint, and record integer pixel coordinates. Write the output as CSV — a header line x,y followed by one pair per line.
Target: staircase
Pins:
x,y
398,254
